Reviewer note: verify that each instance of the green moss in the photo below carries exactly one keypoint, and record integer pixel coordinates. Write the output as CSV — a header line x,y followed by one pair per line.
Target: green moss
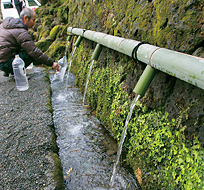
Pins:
x,y
43,10
62,13
43,32
56,49
58,175
34,36
44,44
165,154
47,21
63,31
39,30
54,32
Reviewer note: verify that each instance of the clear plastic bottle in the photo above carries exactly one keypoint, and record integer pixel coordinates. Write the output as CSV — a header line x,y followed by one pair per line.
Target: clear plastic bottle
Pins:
x,y
20,74
59,75
63,63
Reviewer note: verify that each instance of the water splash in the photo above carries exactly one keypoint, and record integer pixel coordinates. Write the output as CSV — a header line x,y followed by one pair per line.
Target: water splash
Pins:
x,y
87,80
63,69
70,63
60,75
123,138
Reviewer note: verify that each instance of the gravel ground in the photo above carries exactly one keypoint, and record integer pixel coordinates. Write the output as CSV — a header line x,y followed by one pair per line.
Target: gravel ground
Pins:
x,y
26,134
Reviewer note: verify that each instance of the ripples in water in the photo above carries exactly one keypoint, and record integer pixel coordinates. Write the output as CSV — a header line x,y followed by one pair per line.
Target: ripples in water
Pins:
x,y
86,149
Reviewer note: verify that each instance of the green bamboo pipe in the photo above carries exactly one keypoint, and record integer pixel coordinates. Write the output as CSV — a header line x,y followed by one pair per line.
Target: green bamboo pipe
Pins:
x,y
97,52
69,37
182,66
145,80
79,39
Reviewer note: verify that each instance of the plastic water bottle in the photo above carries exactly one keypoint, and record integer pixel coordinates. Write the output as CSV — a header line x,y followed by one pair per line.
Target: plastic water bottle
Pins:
x,y
63,64
59,75
20,74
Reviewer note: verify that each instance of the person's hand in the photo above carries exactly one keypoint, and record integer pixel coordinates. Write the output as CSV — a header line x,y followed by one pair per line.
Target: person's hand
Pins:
x,y
56,66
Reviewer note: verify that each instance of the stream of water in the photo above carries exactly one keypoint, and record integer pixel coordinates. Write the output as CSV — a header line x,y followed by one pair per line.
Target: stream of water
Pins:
x,y
86,149
87,81
70,64
123,135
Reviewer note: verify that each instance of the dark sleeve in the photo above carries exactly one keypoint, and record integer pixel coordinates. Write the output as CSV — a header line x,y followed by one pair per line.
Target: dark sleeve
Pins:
x,y
27,44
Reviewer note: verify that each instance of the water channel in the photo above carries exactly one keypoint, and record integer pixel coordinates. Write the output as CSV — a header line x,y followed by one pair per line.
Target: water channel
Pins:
x,y
86,149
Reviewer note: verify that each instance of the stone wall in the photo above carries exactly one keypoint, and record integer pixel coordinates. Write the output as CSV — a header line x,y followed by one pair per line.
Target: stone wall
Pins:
x,y
176,25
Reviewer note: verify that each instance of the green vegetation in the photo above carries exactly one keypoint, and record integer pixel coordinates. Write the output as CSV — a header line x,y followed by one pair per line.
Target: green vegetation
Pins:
x,y
166,158
58,175
53,33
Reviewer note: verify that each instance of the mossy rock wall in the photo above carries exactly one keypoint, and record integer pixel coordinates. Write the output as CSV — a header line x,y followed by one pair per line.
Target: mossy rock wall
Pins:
x,y
165,135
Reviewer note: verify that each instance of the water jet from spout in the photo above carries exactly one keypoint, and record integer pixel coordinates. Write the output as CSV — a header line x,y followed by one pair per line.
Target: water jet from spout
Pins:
x,y
123,139
87,81
70,63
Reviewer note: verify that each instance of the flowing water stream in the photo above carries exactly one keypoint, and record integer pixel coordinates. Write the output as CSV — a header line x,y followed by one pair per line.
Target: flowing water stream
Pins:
x,y
123,138
70,64
66,48
86,149
87,81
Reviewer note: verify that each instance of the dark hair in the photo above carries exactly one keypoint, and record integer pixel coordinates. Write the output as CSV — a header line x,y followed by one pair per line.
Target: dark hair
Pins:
x,y
26,12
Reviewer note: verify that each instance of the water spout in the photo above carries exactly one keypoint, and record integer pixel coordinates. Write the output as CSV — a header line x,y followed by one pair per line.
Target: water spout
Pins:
x,y
78,41
94,57
68,42
123,138
87,80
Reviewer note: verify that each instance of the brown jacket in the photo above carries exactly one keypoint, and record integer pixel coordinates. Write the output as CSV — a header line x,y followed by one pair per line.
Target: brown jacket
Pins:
x,y
15,36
